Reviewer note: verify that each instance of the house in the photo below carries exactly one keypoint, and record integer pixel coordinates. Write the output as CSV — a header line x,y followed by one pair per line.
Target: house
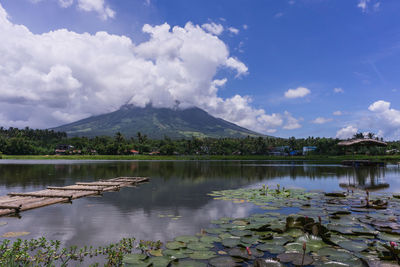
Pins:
x,y
307,149
134,152
63,149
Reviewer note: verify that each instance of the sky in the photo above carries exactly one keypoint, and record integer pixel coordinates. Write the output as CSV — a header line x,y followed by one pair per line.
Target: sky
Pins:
x,y
327,68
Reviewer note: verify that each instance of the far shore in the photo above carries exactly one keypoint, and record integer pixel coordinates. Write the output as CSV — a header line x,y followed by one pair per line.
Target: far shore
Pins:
x,y
319,158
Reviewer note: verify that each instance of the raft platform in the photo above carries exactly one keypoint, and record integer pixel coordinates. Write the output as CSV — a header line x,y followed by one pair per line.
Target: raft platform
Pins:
x,y
362,163
14,203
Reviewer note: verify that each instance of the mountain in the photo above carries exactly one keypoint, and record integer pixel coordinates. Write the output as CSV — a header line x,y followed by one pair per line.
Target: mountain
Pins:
x,y
155,123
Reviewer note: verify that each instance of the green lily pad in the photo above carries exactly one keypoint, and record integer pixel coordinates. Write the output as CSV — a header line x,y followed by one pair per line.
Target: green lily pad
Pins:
x,y
188,263
296,258
186,238
202,255
159,261
175,245
241,232
242,253
271,248
224,261
230,242
134,258
177,254
353,246
210,239
199,246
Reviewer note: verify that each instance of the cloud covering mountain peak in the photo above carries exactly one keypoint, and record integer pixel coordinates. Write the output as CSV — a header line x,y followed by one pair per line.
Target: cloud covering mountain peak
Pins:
x,y
62,76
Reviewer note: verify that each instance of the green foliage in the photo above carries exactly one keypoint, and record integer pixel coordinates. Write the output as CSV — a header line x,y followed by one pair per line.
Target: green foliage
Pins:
x,y
43,142
43,252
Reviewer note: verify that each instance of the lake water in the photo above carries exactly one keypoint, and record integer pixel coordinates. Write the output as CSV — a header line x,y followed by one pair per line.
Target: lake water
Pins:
x,y
173,203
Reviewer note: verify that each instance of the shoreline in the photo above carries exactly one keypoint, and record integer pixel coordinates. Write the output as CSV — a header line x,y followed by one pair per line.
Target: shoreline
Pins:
x,y
332,159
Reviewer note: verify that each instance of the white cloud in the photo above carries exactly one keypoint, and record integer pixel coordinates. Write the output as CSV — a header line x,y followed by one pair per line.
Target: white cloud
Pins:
x,y
337,113
233,30
363,4
291,122
278,15
338,90
385,119
346,132
213,28
245,26
61,76
321,120
297,93
65,3
98,6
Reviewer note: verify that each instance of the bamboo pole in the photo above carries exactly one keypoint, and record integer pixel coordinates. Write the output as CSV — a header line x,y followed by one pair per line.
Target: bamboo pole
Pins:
x,y
99,190
40,195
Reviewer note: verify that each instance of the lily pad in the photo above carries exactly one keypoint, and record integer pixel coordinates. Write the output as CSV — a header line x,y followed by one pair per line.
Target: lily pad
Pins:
x,y
353,246
159,261
230,242
134,258
199,246
175,245
202,255
271,248
296,258
186,238
188,263
177,254
224,261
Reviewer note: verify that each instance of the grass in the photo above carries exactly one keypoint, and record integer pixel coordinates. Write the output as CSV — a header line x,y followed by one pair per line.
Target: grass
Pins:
x,y
389,158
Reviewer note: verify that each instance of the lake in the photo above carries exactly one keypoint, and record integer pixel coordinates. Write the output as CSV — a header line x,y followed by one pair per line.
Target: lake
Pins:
x,y
174,202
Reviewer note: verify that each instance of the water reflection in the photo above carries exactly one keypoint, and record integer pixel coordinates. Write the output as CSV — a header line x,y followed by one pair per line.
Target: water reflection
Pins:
x,y
176,189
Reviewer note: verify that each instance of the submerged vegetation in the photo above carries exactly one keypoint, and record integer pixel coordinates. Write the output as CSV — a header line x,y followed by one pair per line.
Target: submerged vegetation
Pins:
x,y
28,141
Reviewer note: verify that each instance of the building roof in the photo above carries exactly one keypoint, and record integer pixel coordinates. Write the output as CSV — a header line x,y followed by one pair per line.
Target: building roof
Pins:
x,y
364,141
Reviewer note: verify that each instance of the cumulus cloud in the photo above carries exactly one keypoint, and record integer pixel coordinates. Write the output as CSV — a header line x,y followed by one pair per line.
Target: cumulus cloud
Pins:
x,y
297,93
321,120
213,28
385,118
338,90
362,4
98,6
233,30
291,122
61,76
337,113
346,132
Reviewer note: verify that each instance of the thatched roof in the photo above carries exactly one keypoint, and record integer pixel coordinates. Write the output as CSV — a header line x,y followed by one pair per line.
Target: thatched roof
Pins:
x,y
365,142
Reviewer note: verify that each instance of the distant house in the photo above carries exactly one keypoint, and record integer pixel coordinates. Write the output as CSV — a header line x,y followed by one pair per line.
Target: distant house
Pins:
x,y
154,153
307,149
63,149
134,152
280,151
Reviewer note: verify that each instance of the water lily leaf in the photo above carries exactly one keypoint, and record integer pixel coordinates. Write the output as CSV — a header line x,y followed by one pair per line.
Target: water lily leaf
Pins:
x,y
271,248
214,230
159,261
296,258
241,232
199,246
156,252
250,240
230,242
210,239
335,254
242,253
353,246
14,234
134,259
202,255
224,261
188,263
175,245
177,254
186,238
389,237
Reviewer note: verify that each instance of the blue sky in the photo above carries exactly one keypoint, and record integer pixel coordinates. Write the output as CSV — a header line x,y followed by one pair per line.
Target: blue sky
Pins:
x,y
286,68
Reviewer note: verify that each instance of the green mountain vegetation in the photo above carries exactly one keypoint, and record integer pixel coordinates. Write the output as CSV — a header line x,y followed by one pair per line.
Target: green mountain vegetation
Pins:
x,y
156,123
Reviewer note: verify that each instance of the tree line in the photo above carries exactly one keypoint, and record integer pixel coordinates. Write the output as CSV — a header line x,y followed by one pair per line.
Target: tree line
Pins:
x,y
14,141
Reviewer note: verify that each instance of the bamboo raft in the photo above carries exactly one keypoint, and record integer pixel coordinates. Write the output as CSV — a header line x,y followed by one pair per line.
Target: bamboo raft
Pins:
x,y
13,203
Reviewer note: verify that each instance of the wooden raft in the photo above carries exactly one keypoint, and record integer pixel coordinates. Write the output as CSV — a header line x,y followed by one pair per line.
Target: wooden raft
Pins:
x,y
16,202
